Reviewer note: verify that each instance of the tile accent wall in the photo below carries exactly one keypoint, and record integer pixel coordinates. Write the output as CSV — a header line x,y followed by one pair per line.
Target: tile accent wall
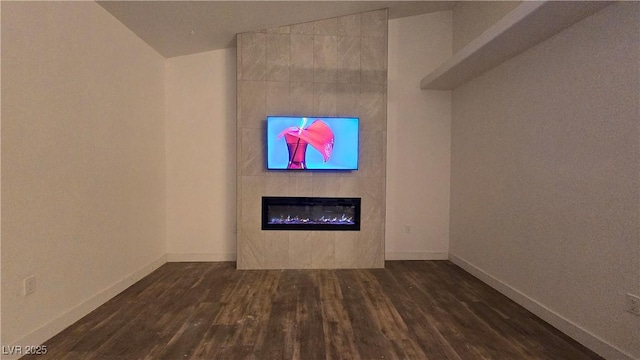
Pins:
x,y
331,67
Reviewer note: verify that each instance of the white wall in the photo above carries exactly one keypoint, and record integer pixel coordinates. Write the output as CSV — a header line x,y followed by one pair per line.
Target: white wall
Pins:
x,y
418,140
200,148
82,163
545,188
472,18
201,156
0,196
200,133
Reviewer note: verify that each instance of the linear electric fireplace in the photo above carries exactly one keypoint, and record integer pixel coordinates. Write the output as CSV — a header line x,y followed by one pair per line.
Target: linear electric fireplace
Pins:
x,y
310,213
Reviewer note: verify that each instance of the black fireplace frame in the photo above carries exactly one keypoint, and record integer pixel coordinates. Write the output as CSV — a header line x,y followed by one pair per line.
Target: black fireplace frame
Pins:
x,y
311,201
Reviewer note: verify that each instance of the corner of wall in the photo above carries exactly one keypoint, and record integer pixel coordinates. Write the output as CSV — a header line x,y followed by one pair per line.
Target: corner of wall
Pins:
x,y
557,320
53,327
419,140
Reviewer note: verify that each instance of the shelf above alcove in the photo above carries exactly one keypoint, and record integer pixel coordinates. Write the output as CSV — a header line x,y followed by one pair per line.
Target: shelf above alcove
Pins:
x,y
527,25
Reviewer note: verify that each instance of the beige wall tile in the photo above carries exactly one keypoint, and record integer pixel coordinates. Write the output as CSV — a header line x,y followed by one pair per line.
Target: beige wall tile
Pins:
x,y
325,58
253,188
372,210
373,60
251,248
326,27
347,186
278,98
300,249
304,185
349,25
251,103
369,252
276,250
323,185
238,205
374,23
383,164
348,59
325,99
372,157
254,56
323,250
345,249
280,186
304,28
326,74
278,57
302,58
373,107
301,98
239,47
252,152
348,100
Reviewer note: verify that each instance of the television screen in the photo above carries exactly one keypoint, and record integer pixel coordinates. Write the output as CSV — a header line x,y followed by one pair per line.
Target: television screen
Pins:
x,y
310,143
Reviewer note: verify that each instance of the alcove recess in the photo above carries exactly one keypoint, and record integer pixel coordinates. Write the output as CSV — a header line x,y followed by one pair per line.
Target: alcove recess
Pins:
x,y
528,24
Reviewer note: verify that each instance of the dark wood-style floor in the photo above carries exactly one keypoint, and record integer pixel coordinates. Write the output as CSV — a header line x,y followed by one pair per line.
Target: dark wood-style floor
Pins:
x,y
410,310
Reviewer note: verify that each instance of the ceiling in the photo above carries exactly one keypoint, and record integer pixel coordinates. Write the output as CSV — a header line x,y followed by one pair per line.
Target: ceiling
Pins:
x,y
175,28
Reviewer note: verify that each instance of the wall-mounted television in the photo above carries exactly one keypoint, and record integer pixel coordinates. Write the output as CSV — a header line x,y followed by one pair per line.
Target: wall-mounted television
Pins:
x,y
312,143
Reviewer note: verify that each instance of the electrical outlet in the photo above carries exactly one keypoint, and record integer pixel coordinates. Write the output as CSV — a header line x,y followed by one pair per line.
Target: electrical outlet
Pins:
x,y
633,304
407,229
30,285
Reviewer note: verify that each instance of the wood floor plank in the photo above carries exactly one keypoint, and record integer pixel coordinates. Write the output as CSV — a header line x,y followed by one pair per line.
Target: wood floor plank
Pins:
x,y
388,318
281,332
339,338
409,310
370,340
420,324
309,317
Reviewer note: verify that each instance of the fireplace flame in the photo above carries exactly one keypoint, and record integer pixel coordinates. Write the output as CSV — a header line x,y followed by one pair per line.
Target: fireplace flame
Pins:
x,y
343,220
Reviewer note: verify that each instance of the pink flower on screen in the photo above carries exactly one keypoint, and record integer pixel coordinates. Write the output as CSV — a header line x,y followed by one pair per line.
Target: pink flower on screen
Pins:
x,y
319,135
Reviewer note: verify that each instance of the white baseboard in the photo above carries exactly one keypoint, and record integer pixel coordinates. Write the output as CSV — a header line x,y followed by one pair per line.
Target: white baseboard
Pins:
x,y
47,331
200,257
416,256
563,324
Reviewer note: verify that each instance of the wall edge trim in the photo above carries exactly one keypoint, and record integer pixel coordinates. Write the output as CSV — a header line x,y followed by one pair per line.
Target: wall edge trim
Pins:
x,y
55,326
201,257
568,327
423,255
